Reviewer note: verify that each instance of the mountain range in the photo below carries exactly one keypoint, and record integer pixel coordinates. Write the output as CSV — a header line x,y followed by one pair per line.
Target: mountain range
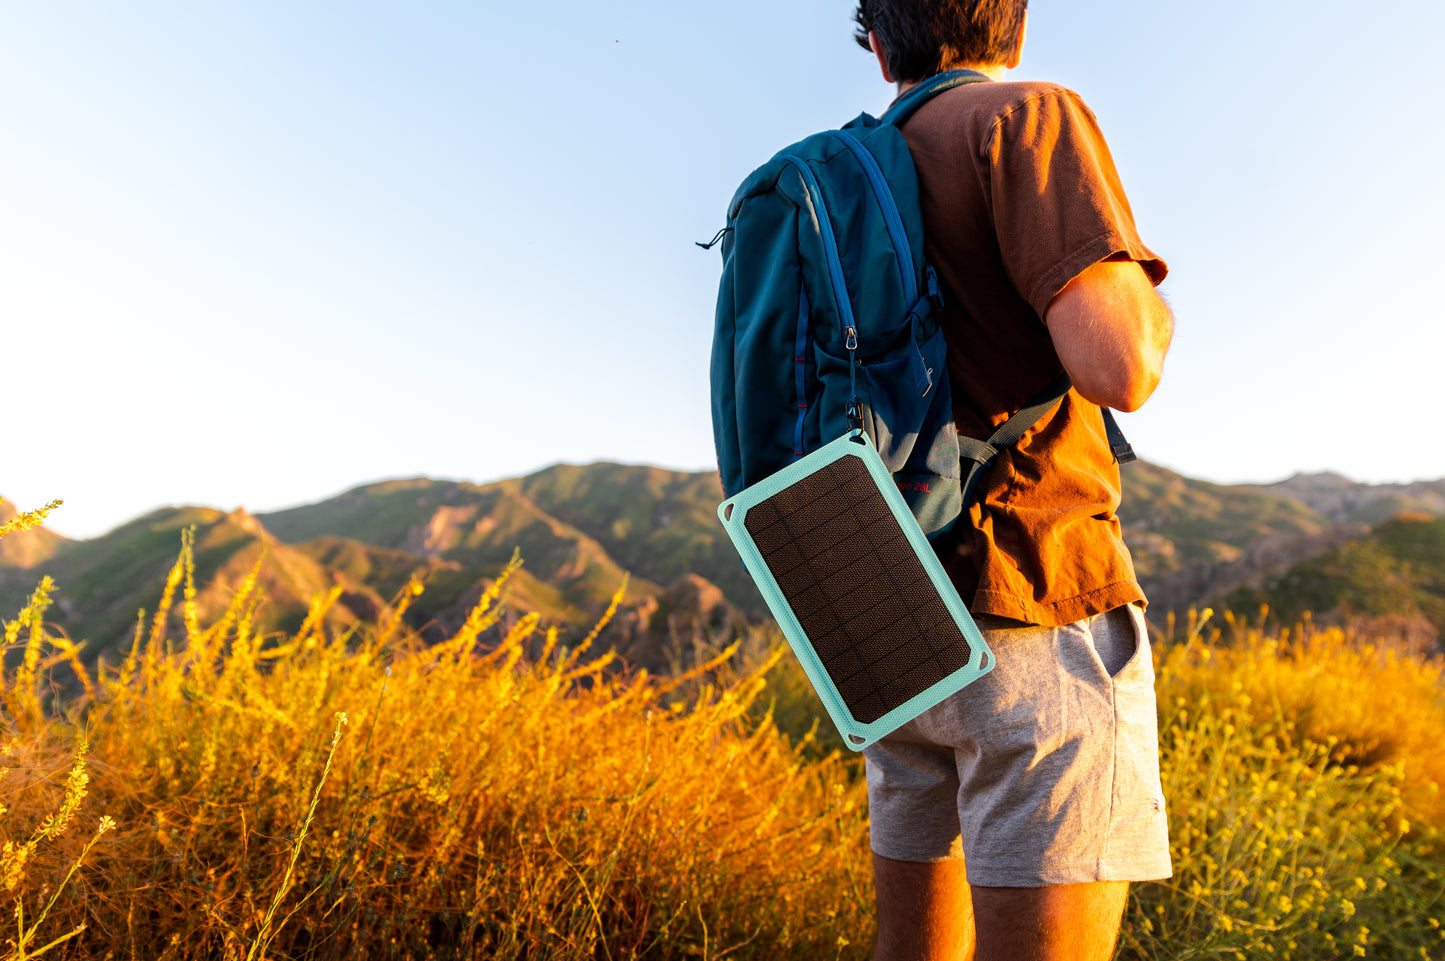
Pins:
x,y
1311,542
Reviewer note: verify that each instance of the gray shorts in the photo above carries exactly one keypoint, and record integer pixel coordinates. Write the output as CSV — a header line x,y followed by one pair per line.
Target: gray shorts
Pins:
x,y
1044,771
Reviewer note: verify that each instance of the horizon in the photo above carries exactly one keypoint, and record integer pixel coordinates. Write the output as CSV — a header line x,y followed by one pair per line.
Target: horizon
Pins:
x,y
60,531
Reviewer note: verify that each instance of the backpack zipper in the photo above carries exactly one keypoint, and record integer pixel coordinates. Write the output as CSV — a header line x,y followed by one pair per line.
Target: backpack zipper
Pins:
x,y
884,196
830,243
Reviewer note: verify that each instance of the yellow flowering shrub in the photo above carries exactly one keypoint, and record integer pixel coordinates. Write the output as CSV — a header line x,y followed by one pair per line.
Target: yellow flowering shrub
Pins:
x,y
1299,826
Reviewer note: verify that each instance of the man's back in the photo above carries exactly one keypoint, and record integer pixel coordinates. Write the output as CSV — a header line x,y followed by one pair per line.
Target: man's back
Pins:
x,y
1019,196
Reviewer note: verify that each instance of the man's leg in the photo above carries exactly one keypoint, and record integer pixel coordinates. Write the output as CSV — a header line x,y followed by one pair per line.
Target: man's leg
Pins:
x,y
1067,922
1093,799
924,911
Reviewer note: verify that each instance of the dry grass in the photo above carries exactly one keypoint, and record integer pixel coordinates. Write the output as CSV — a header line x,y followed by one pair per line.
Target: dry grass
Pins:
x,y
365,796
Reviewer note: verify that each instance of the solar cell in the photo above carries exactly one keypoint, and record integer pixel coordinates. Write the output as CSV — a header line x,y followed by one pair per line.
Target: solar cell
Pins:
x,y
856,589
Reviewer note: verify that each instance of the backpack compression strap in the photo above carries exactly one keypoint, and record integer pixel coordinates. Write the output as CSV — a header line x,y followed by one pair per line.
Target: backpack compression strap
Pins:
x,y
982,453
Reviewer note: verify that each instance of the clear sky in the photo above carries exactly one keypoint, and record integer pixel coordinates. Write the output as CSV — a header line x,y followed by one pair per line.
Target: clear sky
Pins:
x,y
254,254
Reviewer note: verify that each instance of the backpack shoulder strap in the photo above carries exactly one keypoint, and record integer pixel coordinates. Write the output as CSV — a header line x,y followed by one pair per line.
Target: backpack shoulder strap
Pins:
x,y
904,106
982,453
1123,450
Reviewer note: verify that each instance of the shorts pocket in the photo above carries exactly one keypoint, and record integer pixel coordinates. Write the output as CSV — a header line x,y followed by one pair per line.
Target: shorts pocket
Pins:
x,y
1136,676
1116,641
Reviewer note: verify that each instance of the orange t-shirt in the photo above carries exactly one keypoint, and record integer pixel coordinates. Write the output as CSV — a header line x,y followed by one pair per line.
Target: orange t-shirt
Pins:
x,y
1019,196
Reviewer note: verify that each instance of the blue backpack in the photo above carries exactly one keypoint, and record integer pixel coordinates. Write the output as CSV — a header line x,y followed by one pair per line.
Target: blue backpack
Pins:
x,y
825,319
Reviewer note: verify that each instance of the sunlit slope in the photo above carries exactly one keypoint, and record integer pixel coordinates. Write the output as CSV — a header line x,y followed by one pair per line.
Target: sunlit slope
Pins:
x,y
580,530
383,514
103,583
471,532
657,522
452,589
383,569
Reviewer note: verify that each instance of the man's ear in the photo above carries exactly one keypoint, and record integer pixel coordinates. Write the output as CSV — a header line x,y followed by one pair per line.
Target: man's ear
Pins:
x,y
1018,54
882,57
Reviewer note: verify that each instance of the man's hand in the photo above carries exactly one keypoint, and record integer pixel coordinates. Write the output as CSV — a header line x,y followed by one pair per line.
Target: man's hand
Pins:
x,y
1111,331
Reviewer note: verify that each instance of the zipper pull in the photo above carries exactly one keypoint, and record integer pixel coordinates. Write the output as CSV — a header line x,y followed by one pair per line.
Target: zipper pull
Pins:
x,y
712,243
930,281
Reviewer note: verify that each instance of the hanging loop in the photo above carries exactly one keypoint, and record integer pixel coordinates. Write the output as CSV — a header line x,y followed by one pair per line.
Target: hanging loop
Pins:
x,y
855,404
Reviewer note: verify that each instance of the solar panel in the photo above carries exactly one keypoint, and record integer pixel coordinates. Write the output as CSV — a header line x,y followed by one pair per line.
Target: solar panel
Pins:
x,y
878,627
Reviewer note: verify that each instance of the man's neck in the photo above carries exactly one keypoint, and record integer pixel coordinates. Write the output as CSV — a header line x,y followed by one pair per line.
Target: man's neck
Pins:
x,y
994,72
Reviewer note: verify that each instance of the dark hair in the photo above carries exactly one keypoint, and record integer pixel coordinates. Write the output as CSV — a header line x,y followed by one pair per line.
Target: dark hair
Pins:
x,y
922,37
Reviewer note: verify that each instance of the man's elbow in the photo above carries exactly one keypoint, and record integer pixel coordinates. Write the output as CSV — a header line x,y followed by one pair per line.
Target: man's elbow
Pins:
x,y
1125,380
1111,330
1136,390
1125,388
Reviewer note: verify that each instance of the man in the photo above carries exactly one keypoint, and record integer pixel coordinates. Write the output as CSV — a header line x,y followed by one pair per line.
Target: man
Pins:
x,y
1009,819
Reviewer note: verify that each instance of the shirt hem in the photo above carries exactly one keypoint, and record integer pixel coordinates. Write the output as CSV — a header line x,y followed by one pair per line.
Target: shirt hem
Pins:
x,y
1063,611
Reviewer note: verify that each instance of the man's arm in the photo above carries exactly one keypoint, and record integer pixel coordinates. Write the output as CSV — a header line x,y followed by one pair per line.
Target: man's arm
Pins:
x,y
1111,331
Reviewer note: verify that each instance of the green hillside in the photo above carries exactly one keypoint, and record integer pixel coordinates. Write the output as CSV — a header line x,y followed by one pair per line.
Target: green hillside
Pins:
x,y
662,524
451,589
1397,571
383,514
474,530
102,583
1172,521
582,530
1344,501
384,570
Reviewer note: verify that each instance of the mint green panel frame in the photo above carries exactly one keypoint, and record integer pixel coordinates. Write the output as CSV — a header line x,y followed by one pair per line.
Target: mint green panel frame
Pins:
x,y
733,512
